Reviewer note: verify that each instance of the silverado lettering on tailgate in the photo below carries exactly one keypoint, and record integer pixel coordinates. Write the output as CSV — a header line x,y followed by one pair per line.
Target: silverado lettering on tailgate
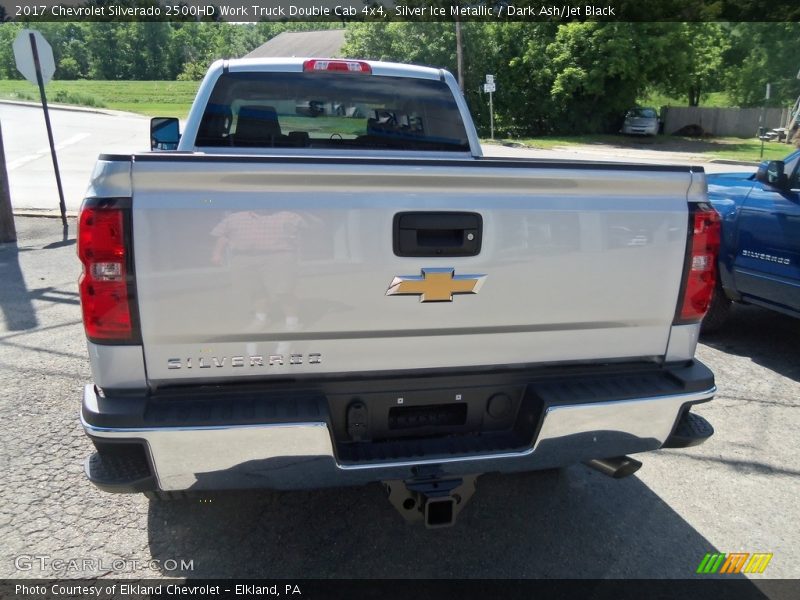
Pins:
x,y
256,360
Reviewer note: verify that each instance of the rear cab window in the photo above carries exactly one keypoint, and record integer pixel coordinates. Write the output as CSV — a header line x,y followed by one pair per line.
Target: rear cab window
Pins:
x,y
331,111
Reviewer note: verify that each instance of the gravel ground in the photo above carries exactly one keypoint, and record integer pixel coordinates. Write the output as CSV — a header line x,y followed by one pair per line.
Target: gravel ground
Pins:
x,y
738,492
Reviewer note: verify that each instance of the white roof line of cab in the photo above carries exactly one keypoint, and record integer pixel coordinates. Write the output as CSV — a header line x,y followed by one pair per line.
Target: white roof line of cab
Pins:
x,y
295,64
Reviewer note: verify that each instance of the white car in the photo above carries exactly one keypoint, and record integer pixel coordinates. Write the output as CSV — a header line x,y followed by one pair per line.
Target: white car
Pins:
x,y
641,121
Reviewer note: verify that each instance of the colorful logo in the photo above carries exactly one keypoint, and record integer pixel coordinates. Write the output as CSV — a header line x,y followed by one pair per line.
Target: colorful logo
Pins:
x,y
735,562
435,285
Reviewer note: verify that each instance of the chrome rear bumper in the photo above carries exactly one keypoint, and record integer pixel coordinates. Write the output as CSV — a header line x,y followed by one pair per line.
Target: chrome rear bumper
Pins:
x,y
302,454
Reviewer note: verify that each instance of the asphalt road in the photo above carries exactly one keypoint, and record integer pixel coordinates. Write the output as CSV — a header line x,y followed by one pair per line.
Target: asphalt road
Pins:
x,y
80,136
737,493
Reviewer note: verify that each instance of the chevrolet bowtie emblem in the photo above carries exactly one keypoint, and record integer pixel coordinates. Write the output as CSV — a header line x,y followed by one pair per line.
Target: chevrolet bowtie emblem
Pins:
x,y
435,285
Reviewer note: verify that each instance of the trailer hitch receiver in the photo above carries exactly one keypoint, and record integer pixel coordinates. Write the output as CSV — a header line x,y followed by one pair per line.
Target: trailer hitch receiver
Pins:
x,y
434,500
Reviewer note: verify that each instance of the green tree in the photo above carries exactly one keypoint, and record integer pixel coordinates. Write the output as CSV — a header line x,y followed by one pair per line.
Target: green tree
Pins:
x,y
422,43
372,41
551,78
762,53
429,44
75,60
189,46
109,54
696,61
516,55
600,69
8,66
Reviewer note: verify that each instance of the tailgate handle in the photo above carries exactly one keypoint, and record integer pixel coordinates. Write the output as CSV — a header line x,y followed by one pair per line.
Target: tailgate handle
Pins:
x,y
437,233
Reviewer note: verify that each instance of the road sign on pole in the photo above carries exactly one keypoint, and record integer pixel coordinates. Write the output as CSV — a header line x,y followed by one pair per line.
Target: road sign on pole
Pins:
x,y
23,54
490,88
34,58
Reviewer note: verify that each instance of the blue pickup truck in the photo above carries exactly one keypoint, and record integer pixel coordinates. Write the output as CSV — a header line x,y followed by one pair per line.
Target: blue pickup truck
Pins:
x,y
759,259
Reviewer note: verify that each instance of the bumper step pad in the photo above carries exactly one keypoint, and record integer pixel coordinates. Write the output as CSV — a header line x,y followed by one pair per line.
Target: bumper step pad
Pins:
x,y
125,473
691,430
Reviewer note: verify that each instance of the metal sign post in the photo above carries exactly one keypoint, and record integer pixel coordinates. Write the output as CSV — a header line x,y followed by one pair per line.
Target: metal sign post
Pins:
x,y
490,87
34,58
762,130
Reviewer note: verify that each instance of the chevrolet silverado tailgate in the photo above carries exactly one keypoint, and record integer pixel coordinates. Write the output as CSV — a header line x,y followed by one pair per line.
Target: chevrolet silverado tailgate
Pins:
x,y
280,266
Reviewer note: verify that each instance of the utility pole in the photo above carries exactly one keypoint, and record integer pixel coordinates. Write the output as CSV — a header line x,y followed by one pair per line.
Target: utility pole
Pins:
x,y
8,232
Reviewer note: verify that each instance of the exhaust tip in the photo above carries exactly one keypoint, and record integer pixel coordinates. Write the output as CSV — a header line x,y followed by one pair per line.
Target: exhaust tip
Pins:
x,y
616,467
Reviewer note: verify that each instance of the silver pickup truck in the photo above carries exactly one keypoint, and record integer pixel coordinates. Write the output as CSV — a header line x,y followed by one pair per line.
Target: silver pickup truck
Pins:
x,y
322,282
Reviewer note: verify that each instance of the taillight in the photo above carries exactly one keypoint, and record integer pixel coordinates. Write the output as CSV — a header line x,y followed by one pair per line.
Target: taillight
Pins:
x,y
700,270
107,280
344,66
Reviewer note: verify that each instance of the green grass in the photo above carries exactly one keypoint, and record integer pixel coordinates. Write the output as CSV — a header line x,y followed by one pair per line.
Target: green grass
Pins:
x,y
152,98
744,149
325,125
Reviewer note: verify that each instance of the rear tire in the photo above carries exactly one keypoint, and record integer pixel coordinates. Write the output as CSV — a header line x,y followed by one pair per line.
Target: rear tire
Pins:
x,y
718,311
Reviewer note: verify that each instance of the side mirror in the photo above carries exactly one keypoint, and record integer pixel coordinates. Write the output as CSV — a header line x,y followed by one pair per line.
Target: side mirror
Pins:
x,y
164,133
772,173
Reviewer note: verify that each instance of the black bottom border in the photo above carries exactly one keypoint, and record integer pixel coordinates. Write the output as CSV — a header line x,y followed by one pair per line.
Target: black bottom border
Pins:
x,y
734,587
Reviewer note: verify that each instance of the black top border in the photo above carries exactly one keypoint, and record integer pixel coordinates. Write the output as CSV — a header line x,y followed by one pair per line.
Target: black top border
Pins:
x,y
401,10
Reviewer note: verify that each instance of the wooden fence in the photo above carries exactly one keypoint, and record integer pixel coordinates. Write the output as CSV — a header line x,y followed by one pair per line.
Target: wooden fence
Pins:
x,y
737,122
